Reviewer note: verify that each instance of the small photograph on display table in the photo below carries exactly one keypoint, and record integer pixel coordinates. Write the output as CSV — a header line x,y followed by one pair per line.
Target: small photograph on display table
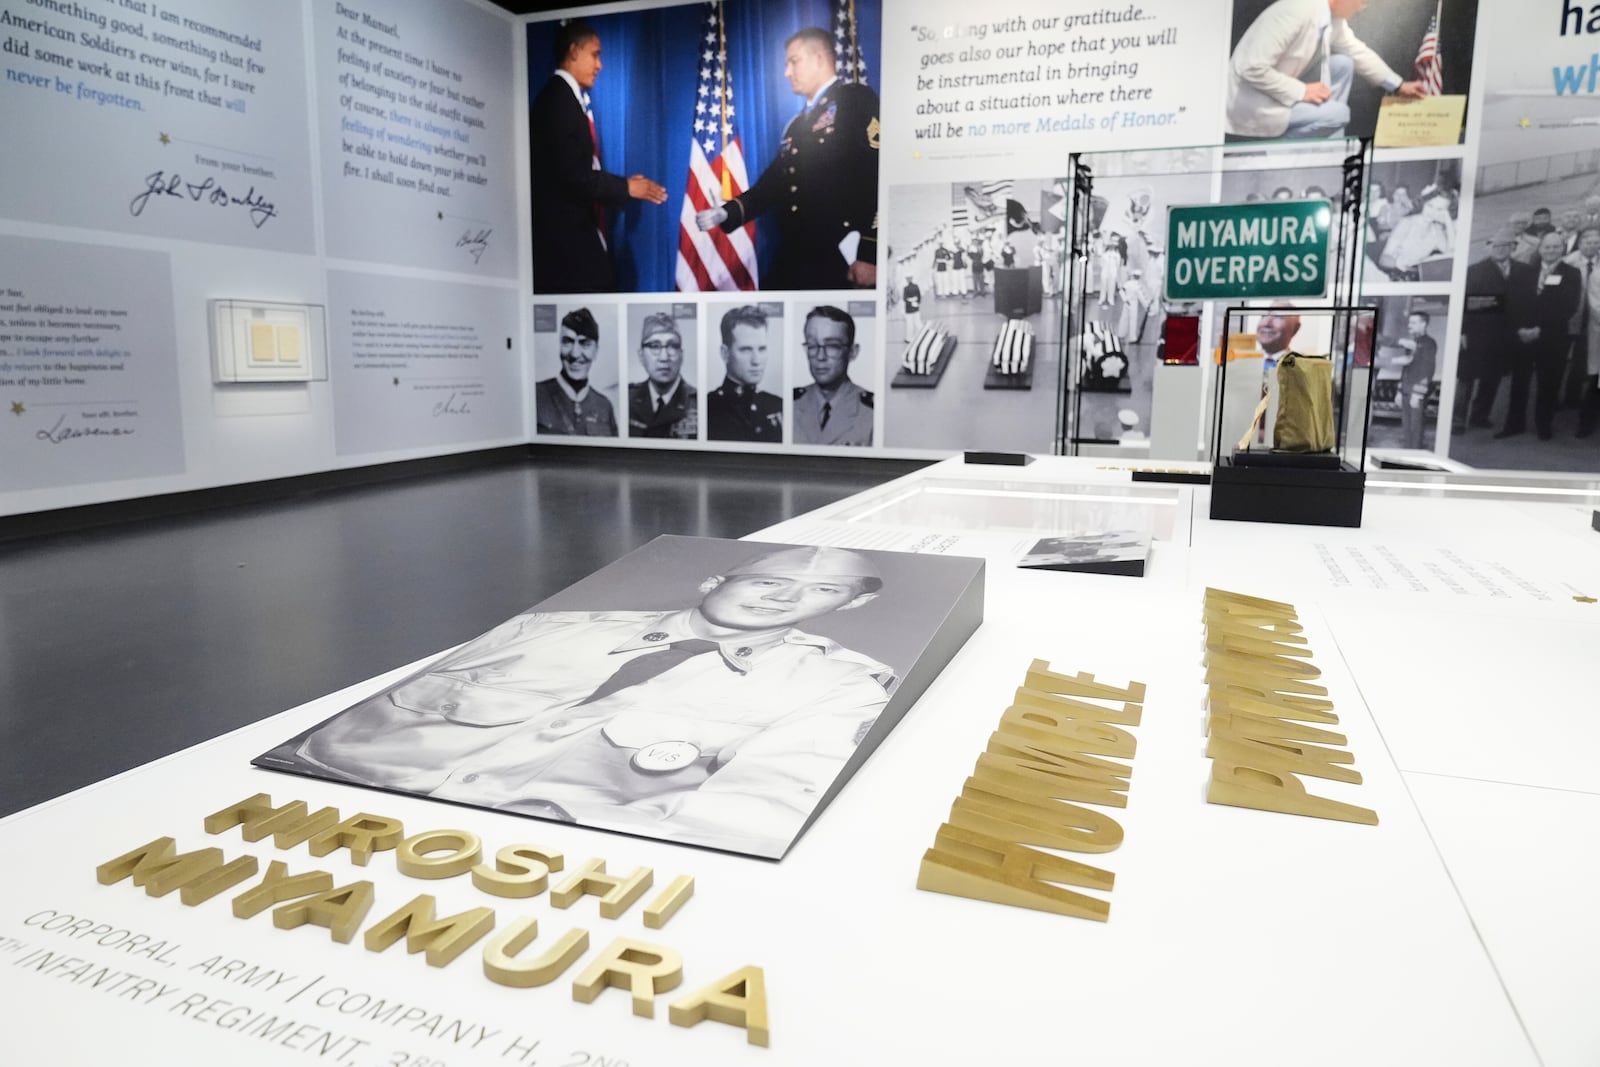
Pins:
x,y
1110,552
747,404
1408,371
1296,73
701,691
1411,220
973,284
1528,376
664,343
1116,355
575,358
834,373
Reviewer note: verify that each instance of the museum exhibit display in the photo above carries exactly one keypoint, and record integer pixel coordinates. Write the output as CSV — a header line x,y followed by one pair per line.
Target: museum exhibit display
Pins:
x,y
440,310
262,341
1281,414
718,721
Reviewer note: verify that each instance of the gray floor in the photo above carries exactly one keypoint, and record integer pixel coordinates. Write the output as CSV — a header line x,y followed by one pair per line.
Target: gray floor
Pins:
x,y
127,643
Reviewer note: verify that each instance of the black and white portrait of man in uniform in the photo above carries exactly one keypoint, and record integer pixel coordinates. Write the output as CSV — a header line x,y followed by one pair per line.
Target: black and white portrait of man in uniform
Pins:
x,y
722,722
739,409
821,191
665,403
833,409
570,403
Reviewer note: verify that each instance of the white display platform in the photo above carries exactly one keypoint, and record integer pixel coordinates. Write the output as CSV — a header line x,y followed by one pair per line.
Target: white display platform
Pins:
x,y
1458,931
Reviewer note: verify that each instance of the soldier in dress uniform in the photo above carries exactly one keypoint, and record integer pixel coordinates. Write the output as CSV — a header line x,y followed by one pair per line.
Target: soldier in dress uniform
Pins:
x,y
737,410
663,405
913,306
720,723
566,404
823,185
833,410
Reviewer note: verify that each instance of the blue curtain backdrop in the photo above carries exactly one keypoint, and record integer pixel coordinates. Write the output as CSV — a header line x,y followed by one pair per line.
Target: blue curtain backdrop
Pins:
x,y
644,98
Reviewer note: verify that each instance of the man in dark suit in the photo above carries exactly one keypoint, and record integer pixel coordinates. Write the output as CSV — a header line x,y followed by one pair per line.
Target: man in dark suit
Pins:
x,y
570,191
1542,311
663,405
738,409
1487,336
823,186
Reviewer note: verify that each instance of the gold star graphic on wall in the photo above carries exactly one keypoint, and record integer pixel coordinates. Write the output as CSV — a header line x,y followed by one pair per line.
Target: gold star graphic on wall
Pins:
x,y
1524,123
164,138
17,408
1579,599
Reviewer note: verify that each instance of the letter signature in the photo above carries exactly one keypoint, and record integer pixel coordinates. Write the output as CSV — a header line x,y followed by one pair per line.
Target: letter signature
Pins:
x,y
210,191
450,407
59,433
476,242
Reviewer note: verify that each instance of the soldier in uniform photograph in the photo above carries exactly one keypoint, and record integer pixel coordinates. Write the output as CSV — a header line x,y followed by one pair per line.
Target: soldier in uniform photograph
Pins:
x,y
719,723
664,404
566,404
738,410
913,306
823,185
833,410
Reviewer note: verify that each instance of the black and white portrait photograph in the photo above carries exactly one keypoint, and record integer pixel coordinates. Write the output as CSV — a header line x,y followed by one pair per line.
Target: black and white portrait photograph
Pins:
x,y
663,366
1410,221
1408,371
833,371
575,358
974,300
747,403
1305,69
701,691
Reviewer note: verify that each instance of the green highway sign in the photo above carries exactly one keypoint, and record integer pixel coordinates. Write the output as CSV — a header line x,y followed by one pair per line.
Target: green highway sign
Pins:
x,y
1277,248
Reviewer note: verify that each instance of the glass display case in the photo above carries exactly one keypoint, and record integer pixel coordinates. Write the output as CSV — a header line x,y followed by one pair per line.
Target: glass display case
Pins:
x,y
1292,408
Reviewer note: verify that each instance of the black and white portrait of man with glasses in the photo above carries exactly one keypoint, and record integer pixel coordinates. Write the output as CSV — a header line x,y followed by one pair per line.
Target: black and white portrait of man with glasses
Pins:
x,y
664,404
832,410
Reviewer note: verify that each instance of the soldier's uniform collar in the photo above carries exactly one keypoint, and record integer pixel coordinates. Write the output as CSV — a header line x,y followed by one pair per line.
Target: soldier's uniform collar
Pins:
x,y
822,93
738,652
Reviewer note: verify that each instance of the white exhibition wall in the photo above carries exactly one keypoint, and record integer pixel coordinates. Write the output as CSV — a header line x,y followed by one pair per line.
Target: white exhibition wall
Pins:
x,y
356,156
372,158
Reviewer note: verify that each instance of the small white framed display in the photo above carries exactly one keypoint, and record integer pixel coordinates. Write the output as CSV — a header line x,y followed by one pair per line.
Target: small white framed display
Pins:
x,y
262,341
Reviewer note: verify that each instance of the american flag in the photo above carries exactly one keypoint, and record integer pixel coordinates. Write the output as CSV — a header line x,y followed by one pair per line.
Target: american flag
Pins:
x,y
850,60
714,260
1430,67
972,205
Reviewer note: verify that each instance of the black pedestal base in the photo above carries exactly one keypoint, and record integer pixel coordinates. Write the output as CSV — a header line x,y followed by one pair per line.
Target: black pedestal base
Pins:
x,y
1001,459
1308,497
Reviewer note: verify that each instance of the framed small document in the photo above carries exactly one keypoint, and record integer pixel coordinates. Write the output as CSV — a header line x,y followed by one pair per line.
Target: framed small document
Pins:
x,y
1431,121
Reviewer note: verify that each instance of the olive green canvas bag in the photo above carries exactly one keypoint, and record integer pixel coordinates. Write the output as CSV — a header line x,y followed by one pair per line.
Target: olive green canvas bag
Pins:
x,y
1305,404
